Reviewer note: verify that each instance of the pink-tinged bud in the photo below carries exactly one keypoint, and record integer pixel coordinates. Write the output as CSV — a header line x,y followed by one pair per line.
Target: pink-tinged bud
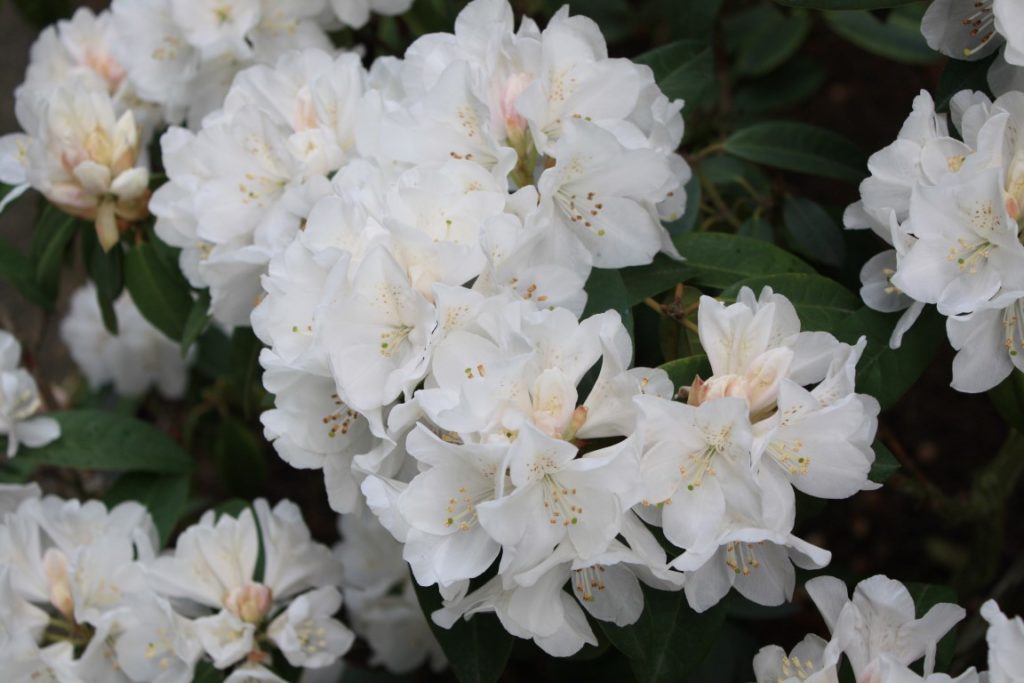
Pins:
x,y
250,602
725,386
515,124
55,565
1013,207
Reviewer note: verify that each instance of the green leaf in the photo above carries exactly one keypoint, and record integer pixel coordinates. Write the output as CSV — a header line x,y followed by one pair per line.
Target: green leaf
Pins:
x,y
158,290
644,281
764,38
821,303
669,640
682,371
898,38
719,260
887,373
784,88
206,673
684,70
1008,399
758,228
164,495
106,270
925,597
799,147
477,649
240,459
17,269
846,4
606,291
99,440
245,367
814,233
962,75
198,319
885,464
50,239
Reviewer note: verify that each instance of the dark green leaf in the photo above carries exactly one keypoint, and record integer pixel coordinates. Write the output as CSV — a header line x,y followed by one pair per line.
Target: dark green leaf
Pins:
x,y
925,597
684,70
245,367
682,371
785,87
814,233
198,319
164,495
206,673
98,440
355,674
669,640
885,464
758,228
822,304
897,38
106,270
961,75
799,147
17,269
846,4
606,291
887,373
158,289
240,459
1008,398
719,260
768,38
477,649
50,239
644,281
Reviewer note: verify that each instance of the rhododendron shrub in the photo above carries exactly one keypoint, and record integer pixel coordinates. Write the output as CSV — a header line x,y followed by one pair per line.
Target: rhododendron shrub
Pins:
x,y
489,340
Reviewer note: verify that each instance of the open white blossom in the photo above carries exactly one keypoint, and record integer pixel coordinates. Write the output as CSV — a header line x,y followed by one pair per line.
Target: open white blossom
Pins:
x,y
19,402
1005,638
137,358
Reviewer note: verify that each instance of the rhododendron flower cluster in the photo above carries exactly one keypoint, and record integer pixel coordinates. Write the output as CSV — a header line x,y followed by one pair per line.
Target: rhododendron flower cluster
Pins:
x,y
86,597
952,208
879,635
20,401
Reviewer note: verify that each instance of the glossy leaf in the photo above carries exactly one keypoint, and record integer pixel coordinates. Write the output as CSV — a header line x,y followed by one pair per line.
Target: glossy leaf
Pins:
x,y
99,440
17,269
158,289
198,319
898,37
477,649
106,270
669,640
50,239
785,87
240,459
720,260
765,38
606,291
885,464
799,147
683,371
813,232
645,281
1008,399
962,75
684,70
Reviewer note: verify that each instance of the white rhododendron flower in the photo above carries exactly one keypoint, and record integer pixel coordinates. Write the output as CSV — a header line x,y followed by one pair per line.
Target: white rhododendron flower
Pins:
x,y
806,663
137,358
1005,638
952,207
20,401
974,29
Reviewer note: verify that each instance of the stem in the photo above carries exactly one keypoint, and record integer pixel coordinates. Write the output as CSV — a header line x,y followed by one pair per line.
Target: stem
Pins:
x,y
712,193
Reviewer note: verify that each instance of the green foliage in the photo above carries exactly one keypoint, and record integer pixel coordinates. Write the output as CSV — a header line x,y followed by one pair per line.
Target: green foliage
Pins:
x,y
885,464
18,270
197,321
763,38
822,304
158,289
669,640
897,37
682,371
813,232
164,495
98,440
799,147
477,649
645,281
1008,399
51,237
720,260
240,459
106,270
684,70
786,87
606,291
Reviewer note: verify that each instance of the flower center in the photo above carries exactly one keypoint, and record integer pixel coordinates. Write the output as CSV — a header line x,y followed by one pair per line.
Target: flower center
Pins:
x,y
588,580
741,557
980,26
250,602
560,502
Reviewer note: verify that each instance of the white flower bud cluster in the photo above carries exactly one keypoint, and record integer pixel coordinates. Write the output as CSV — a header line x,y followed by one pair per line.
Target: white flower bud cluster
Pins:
x,y
878,633
20,401
84,595
952,208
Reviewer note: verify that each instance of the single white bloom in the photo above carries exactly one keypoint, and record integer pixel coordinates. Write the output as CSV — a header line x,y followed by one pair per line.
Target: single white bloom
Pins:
x,y
307,634
806,663
1005,638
